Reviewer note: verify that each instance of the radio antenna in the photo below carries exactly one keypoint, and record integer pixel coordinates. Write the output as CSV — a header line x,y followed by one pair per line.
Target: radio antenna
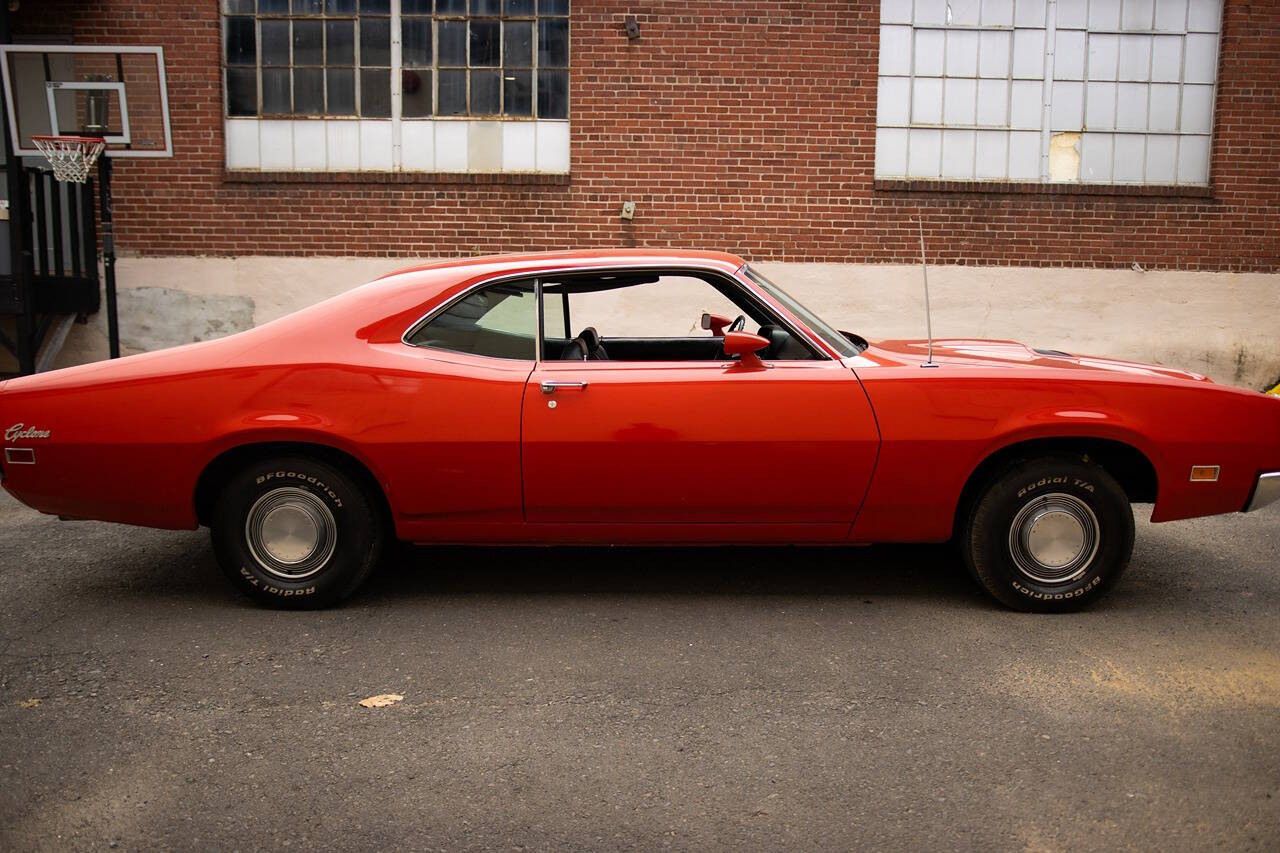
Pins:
x,y
928,319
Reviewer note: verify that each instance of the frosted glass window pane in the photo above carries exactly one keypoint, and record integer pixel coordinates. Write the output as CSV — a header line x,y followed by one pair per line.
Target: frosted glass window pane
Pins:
x,y
1197,109
929,46
1104,56
964,13
895,50
962,54
959,101
1100,106
1193,160
1162,159
1029,13
1025,104
1131,106
1095,158
895,11
1130,158
1166,58
992,155
1068,61
1072,15
993,103
926,100
1164,108
1024,156
891,152
994,54
1202,58
1171,15
924,151
893,101
1137,14
997,13
931,11
1203,15
1135,57
1028,53
957,154
1104,14
1068,106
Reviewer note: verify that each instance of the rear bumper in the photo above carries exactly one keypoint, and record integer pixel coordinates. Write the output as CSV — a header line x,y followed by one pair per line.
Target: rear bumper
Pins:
x,y
1265,491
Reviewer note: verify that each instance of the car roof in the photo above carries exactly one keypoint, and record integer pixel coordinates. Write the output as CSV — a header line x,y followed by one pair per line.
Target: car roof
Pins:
x,y
578,257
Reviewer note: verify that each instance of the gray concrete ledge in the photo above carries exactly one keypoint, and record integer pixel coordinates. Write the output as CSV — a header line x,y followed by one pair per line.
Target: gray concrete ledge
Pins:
x,y
1225,325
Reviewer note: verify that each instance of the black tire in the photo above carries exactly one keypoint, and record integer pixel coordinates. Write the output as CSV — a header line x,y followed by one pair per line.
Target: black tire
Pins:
x,y
1020,538
280,496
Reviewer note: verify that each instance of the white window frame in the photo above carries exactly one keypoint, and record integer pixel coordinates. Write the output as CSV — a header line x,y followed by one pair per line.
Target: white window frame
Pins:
x,y
431,143
1059,16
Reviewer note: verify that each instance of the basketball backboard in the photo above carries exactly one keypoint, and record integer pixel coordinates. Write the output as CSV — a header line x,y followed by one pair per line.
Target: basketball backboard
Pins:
x,y
114,91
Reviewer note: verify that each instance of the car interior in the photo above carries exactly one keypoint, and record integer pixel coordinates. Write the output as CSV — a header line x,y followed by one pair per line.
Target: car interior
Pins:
x,y
589,344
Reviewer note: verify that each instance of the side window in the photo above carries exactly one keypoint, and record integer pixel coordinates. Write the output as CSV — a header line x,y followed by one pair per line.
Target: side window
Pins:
x,y
670,307
499,321
642,315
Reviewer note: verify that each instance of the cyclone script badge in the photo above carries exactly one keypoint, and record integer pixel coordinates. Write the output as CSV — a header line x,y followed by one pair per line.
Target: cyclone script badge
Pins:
x,y
17,432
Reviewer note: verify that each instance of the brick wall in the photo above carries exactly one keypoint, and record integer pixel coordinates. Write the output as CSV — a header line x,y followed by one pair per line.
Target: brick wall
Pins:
x,y
746,126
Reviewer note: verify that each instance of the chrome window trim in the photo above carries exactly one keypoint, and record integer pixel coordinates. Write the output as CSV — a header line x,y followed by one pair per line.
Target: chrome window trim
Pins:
x,y
536,277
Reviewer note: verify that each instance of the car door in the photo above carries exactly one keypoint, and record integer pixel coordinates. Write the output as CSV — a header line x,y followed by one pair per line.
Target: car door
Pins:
x,y
710,441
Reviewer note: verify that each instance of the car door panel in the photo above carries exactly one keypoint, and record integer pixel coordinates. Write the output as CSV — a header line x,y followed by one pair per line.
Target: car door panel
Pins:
x,y
706,442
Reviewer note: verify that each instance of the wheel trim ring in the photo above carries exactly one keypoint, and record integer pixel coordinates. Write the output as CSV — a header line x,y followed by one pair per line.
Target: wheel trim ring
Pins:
x,y
1043,529
288,521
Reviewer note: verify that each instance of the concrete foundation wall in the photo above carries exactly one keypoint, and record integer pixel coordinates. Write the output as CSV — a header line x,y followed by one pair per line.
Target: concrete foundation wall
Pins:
x,y
1225,325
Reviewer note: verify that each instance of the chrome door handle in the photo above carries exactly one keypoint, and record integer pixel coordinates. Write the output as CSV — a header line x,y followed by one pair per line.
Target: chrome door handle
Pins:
x,y
550,386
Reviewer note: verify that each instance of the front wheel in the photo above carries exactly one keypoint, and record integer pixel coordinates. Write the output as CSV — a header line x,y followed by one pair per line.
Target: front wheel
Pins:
x,y
296,533
1049,535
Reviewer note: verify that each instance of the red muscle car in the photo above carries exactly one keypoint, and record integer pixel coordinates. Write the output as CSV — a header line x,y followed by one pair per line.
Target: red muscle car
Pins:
x,y
628,397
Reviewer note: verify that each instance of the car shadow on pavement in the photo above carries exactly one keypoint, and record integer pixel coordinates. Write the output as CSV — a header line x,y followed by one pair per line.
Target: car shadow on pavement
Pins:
x,y
926,571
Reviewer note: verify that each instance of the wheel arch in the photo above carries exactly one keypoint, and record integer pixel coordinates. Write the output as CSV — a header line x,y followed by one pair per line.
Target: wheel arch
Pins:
x,y
223,466
1130,467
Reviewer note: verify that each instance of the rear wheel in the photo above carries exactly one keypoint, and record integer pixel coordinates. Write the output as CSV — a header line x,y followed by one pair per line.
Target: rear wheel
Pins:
x,y
296,533
1049,535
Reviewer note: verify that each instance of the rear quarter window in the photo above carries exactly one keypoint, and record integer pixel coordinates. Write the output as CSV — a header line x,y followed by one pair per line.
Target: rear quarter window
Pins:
x,y
499,321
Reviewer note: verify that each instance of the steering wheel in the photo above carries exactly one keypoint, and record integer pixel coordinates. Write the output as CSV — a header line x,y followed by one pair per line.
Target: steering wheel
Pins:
x,y
739,323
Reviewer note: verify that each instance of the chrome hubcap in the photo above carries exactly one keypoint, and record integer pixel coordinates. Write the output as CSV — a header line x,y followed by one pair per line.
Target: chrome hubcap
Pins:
x,y
291,533
1054,538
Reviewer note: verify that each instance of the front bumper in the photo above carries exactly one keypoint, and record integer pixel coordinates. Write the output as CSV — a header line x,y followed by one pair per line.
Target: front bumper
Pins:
x,y
1266,491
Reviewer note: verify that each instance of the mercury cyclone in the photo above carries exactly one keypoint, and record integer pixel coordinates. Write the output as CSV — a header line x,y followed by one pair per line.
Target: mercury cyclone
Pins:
x,y
627,397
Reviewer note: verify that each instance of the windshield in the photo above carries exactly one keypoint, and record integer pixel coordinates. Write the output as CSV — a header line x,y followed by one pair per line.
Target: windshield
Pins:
x,y
833,338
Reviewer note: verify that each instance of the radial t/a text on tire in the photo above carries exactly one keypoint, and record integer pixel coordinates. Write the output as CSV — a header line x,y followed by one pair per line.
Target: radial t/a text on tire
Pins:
x,y
1049,535
296,532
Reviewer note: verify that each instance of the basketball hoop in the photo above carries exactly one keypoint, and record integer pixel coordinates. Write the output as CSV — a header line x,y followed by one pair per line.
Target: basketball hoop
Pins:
x,y
71,157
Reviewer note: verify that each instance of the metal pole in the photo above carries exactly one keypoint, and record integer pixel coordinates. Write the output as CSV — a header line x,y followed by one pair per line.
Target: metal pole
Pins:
x,y
928,314
108,254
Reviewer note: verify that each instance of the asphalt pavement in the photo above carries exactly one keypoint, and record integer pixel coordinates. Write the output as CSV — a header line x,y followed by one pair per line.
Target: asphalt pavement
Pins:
x,y
590,699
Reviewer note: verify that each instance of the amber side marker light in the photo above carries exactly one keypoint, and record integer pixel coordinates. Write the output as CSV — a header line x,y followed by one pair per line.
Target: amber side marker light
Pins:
x,y
1204,473
19,456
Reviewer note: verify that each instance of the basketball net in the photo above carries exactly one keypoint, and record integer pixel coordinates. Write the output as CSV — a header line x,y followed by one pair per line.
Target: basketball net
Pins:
x,y
71,157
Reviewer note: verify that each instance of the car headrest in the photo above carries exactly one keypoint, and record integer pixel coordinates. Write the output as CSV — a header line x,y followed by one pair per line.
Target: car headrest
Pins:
x,y
590,337
776,336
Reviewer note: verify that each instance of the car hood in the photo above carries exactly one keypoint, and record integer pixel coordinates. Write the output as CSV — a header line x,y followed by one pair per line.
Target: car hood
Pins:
x,y
1011,354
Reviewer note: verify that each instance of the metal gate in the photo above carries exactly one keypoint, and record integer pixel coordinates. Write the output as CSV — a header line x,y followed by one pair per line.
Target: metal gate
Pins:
x,y
53,277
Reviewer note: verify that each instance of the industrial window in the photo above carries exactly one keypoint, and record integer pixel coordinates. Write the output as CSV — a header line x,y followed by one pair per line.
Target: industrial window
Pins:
x,y
397,58
1084,91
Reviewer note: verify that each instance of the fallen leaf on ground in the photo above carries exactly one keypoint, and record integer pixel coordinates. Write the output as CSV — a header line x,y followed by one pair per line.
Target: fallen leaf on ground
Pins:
x,y
382,700
29,703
